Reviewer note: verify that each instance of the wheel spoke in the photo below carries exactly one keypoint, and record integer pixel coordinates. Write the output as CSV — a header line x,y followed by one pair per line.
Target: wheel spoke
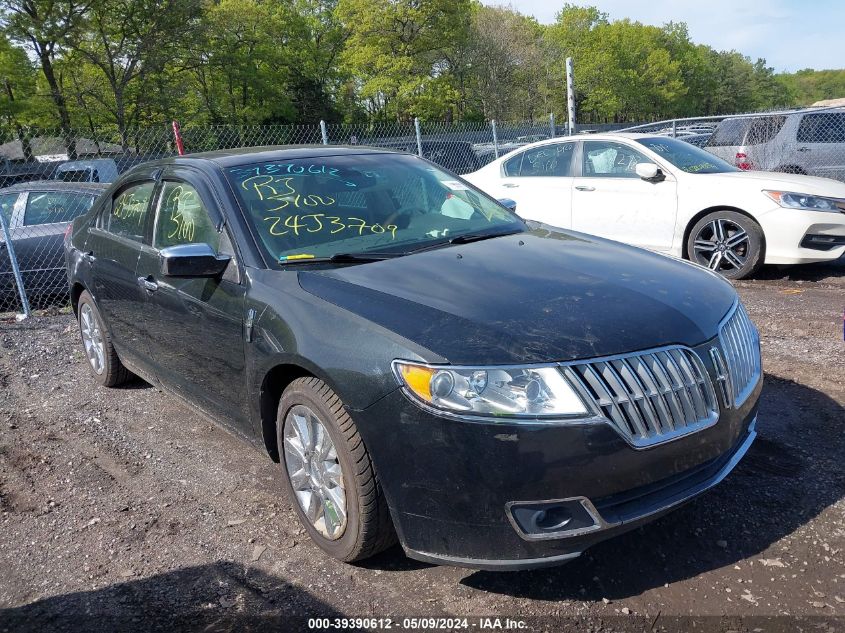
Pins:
x,y
303,431
715,260
736,239
735,260
299,479
707,246
719,230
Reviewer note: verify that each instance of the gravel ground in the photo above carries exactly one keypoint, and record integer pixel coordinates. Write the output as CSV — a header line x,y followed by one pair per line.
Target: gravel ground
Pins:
x,y
122,510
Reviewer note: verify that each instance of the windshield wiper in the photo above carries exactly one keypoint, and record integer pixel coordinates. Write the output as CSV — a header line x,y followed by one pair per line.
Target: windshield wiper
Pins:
x,y
463,239
477,237
339,258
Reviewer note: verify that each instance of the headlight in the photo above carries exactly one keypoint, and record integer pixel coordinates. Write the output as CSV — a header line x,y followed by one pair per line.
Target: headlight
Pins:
x,y
806,201
519,392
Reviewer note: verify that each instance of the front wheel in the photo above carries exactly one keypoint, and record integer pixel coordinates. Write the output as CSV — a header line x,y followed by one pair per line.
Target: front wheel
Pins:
x,y
329,475
727,242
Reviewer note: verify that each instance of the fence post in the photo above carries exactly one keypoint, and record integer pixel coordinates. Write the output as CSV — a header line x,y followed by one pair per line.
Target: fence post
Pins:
x,y
495,138
324,132
10,247
570,96
419,136
674,129
552,123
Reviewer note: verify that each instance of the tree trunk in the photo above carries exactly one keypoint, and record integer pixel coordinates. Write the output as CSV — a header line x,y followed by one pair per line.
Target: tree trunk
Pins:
x,y
58,100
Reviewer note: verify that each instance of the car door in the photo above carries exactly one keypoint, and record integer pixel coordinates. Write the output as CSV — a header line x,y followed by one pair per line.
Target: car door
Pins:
x,y
39,237
820,149
609,199
112,247
11,205
195,325
540,179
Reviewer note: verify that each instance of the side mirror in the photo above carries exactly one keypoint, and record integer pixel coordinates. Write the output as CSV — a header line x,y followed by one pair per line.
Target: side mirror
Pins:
x,y
649,171
192,260
508,203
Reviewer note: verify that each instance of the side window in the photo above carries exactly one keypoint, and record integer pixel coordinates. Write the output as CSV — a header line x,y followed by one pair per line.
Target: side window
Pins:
x,y
553,159
605,159
49,207
7,205
764,129
183,218
128,214
826,127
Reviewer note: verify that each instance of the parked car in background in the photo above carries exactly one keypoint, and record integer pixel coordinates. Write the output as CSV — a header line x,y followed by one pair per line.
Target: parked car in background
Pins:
x,y
422,363
37,214
699,140
667,195
93,170
810,141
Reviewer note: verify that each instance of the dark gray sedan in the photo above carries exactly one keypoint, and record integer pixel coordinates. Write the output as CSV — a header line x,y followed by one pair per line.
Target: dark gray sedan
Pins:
x,y
37,215
425,365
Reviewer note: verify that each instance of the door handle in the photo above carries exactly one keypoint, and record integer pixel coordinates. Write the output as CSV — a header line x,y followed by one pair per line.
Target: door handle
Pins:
x,y
148,284
510,185
89,256
803,149
585,188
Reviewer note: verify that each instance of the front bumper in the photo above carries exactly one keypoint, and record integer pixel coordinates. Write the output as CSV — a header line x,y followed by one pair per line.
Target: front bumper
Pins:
x,y
796,236
451,484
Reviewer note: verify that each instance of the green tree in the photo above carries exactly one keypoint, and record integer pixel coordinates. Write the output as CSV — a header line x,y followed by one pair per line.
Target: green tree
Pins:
x,y
395,48
42,26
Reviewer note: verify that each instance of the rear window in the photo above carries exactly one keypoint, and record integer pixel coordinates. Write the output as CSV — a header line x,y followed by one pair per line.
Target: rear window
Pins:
x,y
49,207
79,175
746,131
826,127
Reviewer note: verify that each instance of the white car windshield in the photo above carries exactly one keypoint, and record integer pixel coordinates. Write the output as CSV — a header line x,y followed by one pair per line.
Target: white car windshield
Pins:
x,y
685,156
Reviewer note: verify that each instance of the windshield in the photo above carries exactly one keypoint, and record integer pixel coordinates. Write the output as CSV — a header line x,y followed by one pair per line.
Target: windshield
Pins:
x,y
685,156
378,203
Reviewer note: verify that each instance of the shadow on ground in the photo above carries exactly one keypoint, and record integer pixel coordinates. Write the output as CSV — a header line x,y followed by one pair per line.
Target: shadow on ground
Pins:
x,y
802,272
222,596
791,474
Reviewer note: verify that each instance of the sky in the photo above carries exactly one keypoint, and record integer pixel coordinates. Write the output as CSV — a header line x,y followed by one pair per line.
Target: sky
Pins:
x,y
789,34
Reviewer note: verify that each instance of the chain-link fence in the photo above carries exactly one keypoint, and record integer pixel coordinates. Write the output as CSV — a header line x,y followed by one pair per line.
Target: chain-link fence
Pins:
x,y
66,171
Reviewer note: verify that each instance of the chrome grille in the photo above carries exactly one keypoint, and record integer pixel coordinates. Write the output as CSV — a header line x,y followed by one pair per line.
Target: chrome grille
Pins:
x,y
650,397
740,345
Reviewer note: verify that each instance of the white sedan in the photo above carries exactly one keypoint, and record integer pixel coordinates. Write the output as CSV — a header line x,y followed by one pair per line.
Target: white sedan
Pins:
x,y
667,195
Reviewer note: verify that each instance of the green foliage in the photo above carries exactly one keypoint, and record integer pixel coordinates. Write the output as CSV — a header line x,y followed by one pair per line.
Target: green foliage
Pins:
x,y
119,64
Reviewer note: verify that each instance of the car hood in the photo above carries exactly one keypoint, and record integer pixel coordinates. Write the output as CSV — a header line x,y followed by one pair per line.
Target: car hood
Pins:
x,y
542,296
797,183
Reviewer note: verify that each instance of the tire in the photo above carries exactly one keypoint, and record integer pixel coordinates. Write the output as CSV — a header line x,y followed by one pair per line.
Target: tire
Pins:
x,y
366,528
791,169
105,364
728,242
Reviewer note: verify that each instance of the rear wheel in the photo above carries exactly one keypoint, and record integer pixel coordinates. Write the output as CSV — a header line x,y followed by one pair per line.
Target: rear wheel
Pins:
x,y
329,475
101,355
727,242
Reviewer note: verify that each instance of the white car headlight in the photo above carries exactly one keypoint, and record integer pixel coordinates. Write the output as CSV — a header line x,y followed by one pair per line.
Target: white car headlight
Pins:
x,y
809,202
515,392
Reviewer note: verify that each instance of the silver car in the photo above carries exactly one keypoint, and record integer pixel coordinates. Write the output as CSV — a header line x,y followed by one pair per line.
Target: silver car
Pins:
x,y
810,141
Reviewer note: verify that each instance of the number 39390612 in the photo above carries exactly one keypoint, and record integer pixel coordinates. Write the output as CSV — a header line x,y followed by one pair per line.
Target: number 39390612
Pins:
x,y
317,222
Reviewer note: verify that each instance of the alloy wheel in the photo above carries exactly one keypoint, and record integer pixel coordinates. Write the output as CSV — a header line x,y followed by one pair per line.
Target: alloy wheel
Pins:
x,y
92,338
722,245
314,471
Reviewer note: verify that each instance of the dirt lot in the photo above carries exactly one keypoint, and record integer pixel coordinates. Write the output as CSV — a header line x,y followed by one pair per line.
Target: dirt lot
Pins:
x,y
121,510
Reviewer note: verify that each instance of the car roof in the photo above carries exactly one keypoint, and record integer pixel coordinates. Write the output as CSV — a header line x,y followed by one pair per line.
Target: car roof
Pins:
x,y
57,185
246,155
